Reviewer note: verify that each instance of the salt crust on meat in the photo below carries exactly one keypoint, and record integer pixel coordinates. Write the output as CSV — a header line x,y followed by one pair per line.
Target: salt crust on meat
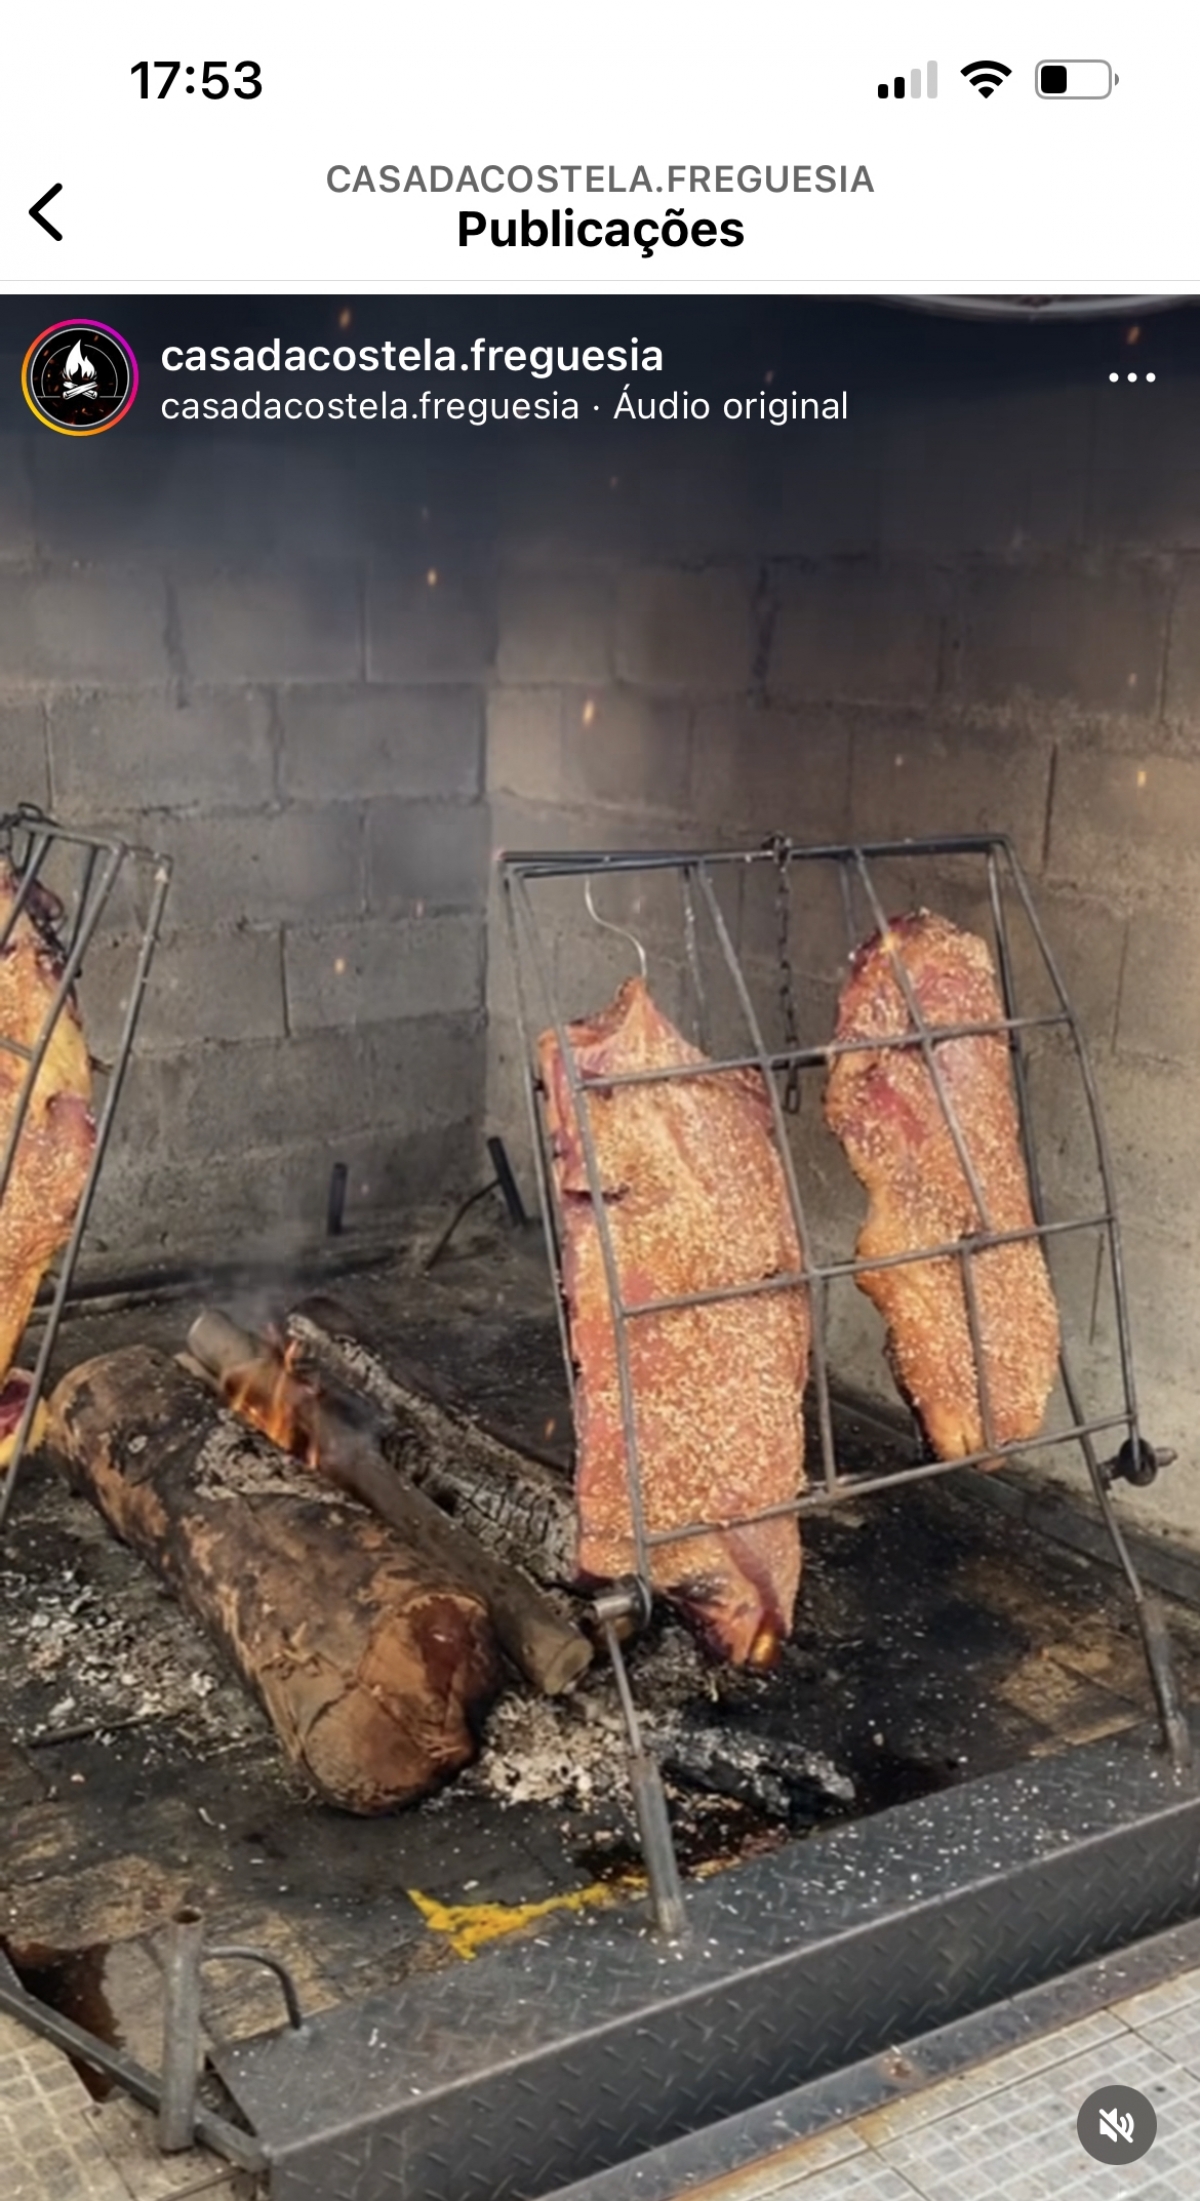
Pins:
x,y
695,1198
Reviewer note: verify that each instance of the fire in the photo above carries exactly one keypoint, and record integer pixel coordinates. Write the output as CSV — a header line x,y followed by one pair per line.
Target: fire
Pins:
x,y
267,1393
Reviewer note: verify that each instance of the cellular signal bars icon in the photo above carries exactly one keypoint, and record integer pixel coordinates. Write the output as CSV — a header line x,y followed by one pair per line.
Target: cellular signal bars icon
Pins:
x,y
910,87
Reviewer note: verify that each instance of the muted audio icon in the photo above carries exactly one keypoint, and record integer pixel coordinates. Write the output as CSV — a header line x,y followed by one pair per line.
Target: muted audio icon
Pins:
x,y
910,86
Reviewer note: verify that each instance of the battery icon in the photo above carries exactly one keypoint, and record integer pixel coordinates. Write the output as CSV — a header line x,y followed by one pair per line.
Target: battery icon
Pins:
x,y
1074,79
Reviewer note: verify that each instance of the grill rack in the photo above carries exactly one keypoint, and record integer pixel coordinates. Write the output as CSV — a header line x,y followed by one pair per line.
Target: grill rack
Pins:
x,y
697,872
82,871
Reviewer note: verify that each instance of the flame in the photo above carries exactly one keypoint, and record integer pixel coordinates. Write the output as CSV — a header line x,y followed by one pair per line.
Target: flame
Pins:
x,y
79,367
264,1393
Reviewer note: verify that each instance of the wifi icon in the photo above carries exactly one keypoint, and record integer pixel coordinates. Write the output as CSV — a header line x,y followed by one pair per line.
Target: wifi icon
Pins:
x,y
986,76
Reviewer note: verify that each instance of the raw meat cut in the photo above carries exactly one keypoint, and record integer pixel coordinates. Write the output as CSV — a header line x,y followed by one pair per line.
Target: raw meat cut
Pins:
x,y
54,1149
695,1198
882,1103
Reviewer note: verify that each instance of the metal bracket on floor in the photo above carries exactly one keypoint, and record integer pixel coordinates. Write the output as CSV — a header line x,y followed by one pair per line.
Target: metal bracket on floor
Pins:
x,y
235,2146
178,2114
622,1609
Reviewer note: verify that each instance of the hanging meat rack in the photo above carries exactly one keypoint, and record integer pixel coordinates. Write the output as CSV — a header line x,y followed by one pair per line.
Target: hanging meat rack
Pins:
x,y
80,871
697,902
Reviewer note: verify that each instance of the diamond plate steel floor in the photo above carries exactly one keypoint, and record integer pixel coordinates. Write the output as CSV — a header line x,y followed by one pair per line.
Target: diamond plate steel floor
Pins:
x,y
550,2059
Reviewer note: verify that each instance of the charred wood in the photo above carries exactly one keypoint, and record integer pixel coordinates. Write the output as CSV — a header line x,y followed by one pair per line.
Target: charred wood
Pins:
x,y
516,1506
375,1661
343,1436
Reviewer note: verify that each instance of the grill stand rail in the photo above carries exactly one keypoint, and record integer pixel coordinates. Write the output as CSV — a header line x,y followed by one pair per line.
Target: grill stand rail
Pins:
x,y
87,869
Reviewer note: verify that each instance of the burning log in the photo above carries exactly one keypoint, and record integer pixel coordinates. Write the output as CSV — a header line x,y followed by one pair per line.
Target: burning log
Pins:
x,y
516,1506
343,1437
375,1661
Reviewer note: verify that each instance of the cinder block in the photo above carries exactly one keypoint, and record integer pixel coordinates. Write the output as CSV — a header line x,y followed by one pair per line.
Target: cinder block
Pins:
x,y
1182,701
1145,468
203,986
435,854
909,780
628,748
1150,1115
212,1102
431,624
87,626
857,633
375,972
676,512
271,1203
381,741
218,1101
555,626
759,771
112,752
248,501
1160,1283
24,775
421,1072
525,745
1160,997
1061,1126
986,475
264,867
686,630
17,535
1124,820
507,1108
815,496
1095,638
296,623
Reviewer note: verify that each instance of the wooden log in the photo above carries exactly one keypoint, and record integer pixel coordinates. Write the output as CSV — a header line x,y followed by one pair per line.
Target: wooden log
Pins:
x,y
342,1438
376,1663
518,1506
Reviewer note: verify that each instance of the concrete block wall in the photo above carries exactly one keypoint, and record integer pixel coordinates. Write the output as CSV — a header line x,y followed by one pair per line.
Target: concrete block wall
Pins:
x,y
977,615
274,670
331,683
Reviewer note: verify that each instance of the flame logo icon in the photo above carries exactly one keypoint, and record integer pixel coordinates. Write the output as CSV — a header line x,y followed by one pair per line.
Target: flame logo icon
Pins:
x,y
79,371
79,378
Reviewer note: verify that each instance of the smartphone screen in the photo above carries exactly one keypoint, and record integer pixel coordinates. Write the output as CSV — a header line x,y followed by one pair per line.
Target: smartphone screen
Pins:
x,y
599,1182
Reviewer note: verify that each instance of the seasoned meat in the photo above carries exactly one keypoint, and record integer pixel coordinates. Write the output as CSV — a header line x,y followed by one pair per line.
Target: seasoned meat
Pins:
x,y
882,1103
695,1199
54,1150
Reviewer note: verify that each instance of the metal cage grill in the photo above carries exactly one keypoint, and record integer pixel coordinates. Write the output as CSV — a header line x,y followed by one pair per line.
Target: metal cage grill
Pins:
x,y
53,865
709,968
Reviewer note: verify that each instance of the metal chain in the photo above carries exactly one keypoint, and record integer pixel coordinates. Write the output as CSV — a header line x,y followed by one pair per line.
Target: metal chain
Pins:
x,y
781,849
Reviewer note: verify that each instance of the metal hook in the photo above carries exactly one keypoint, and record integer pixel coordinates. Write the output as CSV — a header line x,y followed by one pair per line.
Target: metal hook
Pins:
x,y
607,925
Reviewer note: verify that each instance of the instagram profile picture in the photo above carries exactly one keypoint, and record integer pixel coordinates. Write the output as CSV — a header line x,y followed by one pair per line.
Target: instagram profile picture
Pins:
x,y
79,377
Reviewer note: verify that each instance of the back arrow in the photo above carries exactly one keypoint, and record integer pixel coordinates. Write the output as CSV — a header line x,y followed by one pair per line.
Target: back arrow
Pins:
x,y
39,217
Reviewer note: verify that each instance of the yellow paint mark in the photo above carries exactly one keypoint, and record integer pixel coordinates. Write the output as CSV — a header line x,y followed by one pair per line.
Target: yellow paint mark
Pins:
x,y
470,1926
1141,778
